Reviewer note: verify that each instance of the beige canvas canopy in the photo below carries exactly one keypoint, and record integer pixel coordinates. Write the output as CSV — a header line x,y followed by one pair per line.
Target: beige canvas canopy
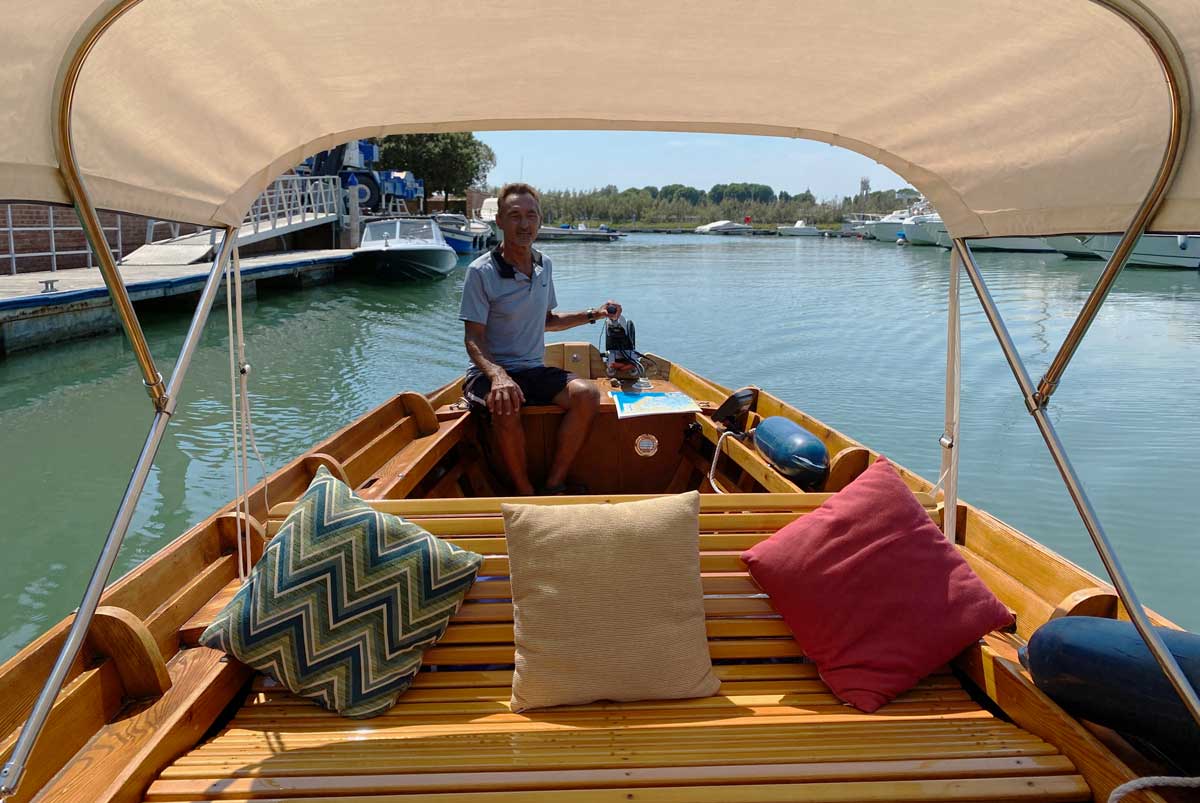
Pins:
x,y
1012,116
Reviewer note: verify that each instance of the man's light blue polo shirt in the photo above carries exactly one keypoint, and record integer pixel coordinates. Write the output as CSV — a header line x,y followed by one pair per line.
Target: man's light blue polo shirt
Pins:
x,y
512,306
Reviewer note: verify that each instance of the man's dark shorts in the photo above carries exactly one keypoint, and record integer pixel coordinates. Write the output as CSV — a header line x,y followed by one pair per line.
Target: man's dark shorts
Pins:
x,y
539,385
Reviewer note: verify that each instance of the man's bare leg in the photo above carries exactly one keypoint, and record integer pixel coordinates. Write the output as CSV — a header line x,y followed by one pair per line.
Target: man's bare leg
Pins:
x,y
580,399
511,436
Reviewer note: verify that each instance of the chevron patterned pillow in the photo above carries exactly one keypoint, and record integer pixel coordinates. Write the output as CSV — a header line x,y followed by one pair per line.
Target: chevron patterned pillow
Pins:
x,y
344,601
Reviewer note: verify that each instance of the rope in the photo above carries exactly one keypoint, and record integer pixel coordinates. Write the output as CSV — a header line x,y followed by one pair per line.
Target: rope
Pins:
x,y
1149,782
232,288
243,428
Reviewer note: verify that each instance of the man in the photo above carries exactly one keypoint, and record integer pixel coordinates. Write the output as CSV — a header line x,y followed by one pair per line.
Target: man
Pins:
x,y
507,306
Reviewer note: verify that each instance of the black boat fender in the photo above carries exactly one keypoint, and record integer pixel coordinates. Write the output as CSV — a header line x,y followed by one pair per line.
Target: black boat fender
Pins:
x,y
793,450
1101,670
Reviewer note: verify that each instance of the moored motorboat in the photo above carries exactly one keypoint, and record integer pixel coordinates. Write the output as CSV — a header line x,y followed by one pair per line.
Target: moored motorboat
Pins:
x,y
726,227
1014,244
860,223
921,229
405,248
1031,245
798,229
1071,246
578,234
463,235
890,228
487,214
1153,251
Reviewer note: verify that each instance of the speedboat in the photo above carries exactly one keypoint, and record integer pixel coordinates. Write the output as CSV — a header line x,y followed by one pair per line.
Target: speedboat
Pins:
x,y
798,229
126,700
405,248
724,227
463,235
579,234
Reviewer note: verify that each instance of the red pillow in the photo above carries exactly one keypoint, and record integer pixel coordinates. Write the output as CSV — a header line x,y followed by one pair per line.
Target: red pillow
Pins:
x,y
872,590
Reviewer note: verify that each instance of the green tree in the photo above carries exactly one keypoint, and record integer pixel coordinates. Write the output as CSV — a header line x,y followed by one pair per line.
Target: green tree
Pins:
x,y
448,163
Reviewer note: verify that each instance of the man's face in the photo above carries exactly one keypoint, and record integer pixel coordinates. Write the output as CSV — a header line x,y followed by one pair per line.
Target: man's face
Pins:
x,y
519,219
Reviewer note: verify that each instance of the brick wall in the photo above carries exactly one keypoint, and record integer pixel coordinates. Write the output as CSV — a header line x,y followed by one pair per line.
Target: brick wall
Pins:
x,y
132,234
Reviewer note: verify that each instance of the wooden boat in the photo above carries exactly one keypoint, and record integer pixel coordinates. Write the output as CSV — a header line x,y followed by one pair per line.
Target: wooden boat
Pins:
x,y
145,714
135,719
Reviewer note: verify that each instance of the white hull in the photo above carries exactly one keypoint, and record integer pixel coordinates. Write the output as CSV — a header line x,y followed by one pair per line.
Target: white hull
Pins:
x,y
1153,250
886,231
548,233
919,232
1020,244
1072,247
1026,244
724,227
409,261
798,230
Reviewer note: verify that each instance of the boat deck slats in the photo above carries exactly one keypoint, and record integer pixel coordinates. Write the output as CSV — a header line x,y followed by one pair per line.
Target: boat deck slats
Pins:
x,y
773,732
773,728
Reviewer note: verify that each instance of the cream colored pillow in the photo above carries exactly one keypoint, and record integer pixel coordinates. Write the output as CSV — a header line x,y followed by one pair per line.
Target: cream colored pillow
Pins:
x,y
607,602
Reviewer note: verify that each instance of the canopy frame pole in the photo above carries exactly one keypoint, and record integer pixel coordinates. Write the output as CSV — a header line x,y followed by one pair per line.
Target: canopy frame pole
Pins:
x,y
89,219
949,439
1091,521
1180,97
14,768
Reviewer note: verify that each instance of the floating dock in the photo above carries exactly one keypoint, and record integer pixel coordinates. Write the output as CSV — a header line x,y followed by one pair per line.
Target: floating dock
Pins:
x,y
45,307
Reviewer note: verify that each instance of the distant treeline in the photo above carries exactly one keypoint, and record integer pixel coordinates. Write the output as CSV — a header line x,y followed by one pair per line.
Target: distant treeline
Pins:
x,y
683,205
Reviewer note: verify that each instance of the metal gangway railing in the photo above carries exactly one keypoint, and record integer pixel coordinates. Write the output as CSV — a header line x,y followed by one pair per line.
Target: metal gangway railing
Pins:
x,y
58,222
291,202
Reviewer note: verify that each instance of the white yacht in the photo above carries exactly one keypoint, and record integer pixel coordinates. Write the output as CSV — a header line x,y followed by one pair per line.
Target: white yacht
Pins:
x,y
724,227
1024,244
1072,246
1153,250
1018,244
890,228
922,229
798,229
406,248
860,222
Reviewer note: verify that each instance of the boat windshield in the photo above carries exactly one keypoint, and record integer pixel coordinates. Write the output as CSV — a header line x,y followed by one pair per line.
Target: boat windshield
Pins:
x,y
416,229
384,230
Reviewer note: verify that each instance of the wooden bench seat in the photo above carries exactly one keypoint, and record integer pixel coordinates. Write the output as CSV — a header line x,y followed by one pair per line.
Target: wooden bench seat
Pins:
x,y
774,732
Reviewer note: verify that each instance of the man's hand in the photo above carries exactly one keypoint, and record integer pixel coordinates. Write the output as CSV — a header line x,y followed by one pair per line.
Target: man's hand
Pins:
x,y
602,310
505,397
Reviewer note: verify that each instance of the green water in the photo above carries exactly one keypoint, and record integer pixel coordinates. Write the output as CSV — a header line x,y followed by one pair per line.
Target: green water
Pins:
x,y
852,332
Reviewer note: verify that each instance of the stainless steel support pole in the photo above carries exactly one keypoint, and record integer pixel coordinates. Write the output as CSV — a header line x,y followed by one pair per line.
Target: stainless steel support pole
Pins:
x,y
1090,520
10,775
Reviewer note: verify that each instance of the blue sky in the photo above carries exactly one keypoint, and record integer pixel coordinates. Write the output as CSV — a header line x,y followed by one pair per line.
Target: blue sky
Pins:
x,y
556,160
